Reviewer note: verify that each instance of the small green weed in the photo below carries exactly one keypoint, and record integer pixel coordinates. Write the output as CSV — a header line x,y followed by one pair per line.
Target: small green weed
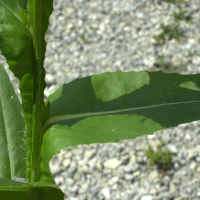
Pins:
x,y
83,38
169,32
160,158
194,53
173,30
179,16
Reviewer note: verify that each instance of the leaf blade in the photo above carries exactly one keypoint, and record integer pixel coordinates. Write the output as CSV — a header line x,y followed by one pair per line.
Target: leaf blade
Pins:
x,y
12,131
17,47
150,97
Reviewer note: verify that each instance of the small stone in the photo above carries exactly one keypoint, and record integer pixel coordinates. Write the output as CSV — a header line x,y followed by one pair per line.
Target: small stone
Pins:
x,y
133,158
112,163
154,174
153,191
198,169
120,173
69,181
55,169
183,161
150,136
176,165
106,192
176,181
73,198
71,171
172,187
74,189
115,179
147,197
166,180
135,174
90,154
66,163
140,159
99,165
94,191
193,165
173,148
59,179
187,136
87,171
129,177
131,167
166,138
85,187
125,159
81,162
197,159
50,79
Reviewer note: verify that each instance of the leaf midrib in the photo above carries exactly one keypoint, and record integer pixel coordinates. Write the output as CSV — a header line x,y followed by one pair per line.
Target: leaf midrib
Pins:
x,y
55,119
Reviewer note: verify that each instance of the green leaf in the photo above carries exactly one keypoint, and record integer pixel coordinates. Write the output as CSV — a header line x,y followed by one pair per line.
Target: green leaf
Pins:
x,y
16,44
18,190
116,106
12,131
48,191
39,13
33,191
15,38
22,42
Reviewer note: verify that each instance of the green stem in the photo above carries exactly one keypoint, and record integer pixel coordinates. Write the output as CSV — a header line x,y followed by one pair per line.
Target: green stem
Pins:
x,y
38,107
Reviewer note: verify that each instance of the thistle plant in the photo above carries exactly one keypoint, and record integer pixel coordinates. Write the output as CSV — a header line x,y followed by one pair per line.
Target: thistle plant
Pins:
x,y
107,107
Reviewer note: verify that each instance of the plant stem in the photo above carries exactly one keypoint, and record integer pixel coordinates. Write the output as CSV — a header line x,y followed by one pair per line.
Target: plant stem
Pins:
x,y
36,6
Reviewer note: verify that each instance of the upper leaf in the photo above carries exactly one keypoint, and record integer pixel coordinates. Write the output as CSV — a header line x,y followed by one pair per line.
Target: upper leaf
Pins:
x,y
12,131
16,44
22,42
39,19
15,38
115,106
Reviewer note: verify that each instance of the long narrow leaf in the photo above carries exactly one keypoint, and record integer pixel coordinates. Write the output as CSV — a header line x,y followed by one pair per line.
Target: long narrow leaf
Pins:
x,y
23,25
12,131
16,44
115,106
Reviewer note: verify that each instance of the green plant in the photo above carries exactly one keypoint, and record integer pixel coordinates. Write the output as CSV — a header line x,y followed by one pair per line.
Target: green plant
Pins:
x,y
160,158
194,53
83,38
173,30
107,107
169,32
181,16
